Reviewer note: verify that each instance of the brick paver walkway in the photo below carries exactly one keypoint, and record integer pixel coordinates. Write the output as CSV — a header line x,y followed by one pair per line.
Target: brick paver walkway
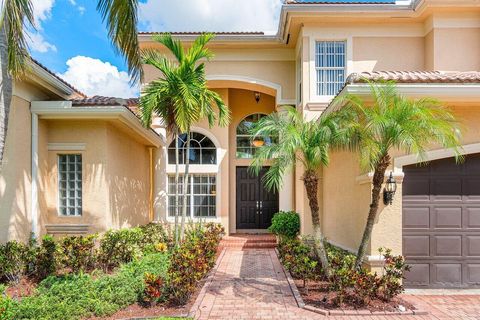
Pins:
x,y
250,284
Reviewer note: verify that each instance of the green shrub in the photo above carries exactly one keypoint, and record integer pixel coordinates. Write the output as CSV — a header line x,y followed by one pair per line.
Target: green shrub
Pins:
x,y
152,234
78,296
7,305
46,259
12,260
191,261
77,252
298,259
285,224
119,246
154,289
393,272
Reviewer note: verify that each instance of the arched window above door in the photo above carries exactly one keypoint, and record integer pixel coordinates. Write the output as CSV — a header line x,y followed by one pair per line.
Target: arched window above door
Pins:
x,y
246,146
202,149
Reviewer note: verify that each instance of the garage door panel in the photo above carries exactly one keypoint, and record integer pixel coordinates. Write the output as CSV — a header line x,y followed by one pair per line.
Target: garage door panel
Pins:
x,y
446,189
472,274
448,217
472,246
473,163
417,189
416,246
473,217
471,188
447,246
419,275
416,217
443,249
447,274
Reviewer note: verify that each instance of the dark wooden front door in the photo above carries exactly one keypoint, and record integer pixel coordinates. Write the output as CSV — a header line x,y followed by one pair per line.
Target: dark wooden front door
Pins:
x,y
255,204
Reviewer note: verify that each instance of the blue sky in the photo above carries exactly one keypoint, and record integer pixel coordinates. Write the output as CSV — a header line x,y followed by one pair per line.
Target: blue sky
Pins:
x,y
72,41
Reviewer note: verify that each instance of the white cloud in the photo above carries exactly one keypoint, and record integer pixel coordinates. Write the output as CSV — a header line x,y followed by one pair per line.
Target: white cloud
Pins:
x,y
210,15
39,44
95,77
42,10
81,10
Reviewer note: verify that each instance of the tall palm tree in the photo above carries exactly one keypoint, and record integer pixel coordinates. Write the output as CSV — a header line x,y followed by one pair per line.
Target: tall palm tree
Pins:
x,y
306,142
17,15
180,97
391,122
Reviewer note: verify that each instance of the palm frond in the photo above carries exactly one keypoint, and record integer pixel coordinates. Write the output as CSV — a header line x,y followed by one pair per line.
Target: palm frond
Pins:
x,y
392,121
16,15
122,21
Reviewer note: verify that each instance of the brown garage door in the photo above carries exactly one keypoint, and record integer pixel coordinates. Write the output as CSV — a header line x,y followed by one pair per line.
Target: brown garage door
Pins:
x,y
441,223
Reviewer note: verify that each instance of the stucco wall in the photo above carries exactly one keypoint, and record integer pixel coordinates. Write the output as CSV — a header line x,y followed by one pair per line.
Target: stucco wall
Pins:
x,y
95,202
388,53
15,175
345,201
127,179
456,49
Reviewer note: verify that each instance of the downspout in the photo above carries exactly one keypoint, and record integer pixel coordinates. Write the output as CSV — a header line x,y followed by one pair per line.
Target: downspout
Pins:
x,y
34,194
150,204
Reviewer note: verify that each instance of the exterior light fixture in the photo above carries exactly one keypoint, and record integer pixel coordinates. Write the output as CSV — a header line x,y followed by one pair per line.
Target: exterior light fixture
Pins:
x,y
389,190
257,96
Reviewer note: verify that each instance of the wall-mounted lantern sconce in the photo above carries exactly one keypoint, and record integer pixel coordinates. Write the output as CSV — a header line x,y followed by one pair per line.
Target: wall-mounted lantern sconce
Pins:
x,y
257,96
389,191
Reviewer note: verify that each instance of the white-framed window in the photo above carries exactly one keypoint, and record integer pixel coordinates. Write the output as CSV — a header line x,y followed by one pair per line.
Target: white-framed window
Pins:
x,y
70,184
202,193
330,67
202,149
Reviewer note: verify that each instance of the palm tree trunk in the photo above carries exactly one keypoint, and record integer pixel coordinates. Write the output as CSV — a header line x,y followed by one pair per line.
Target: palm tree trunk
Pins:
x,y
310,180
185,186
6,91
378,178
177,175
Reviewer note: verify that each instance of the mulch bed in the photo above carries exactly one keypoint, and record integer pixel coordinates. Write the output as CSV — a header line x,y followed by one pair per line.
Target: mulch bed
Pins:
x,y
23,288
318,295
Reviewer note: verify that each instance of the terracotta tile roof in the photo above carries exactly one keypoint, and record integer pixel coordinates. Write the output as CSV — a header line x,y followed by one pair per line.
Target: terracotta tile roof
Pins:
x,y
259,33
59,78
416,77
130,103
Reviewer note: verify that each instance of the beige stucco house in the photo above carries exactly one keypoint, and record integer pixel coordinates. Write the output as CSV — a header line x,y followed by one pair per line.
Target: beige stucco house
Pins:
x,y
82,164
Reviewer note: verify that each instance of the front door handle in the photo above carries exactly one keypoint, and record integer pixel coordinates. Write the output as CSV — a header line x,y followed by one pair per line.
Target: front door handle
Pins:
x,y
261,206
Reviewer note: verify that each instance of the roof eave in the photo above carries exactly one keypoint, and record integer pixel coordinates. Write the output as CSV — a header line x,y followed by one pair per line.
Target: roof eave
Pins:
x,y
445,92
65,110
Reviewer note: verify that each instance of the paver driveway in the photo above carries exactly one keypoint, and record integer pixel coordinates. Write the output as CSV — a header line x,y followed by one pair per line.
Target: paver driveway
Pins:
x,y
250,284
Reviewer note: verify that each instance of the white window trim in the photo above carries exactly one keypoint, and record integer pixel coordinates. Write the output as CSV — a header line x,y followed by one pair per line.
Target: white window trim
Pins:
x,y
313,72
190,216
213,169
58,154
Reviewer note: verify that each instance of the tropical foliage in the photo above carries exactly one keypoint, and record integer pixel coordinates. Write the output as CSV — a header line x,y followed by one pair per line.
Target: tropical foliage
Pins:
x,y
300,142
169,274
181,97
391,121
